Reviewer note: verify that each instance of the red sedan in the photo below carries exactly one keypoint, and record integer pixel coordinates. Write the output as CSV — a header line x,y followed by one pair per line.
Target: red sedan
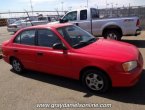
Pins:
x,y
67,50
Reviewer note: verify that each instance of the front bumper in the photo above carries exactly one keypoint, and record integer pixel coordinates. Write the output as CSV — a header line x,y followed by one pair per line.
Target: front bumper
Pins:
x,y
5,58
12,29
1,56
127,79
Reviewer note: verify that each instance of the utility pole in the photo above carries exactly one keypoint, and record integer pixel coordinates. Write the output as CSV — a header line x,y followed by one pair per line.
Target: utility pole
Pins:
x,y
112,10
106,4
62,6
117,9
31,6
112,5
87,3
129,10
106,8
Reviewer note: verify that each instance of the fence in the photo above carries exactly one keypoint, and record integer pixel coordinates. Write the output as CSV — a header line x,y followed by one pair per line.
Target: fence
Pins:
x,y
125,12
16,15
3,22
109,12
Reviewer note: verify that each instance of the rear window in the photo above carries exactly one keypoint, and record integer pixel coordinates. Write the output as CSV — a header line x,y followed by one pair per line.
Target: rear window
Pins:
x,y
83,15
26,37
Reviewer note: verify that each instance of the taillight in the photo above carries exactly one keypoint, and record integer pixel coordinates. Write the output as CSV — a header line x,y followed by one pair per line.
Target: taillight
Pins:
x,y
0,48
138,23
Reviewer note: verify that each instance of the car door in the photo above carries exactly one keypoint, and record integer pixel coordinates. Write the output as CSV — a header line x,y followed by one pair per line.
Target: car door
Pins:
x,y
85,22
23,48
48,59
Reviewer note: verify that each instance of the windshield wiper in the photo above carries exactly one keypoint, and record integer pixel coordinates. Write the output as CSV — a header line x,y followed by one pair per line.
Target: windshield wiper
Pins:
x,y
80,44
91,40
84,43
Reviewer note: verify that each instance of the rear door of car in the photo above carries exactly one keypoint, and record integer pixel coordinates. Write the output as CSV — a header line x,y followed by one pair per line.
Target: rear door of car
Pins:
x,y
24,48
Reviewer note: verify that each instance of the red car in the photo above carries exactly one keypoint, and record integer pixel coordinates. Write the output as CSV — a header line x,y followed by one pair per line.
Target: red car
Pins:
x,y
67,50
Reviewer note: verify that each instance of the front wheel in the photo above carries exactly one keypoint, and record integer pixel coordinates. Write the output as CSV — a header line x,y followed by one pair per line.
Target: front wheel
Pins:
x,y
112,34
96,80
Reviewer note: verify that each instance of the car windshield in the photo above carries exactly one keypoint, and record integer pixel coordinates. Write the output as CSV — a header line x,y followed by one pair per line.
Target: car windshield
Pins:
x,y
76,37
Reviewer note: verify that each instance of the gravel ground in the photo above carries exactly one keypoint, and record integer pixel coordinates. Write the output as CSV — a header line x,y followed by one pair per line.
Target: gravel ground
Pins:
x,y
23,92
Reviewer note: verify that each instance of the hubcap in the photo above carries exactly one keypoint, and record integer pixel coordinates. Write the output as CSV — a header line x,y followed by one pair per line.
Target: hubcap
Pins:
x,y
112,36
16,65
94,81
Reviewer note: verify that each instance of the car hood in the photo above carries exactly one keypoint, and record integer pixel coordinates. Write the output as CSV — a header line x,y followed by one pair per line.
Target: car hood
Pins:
x,y
111,49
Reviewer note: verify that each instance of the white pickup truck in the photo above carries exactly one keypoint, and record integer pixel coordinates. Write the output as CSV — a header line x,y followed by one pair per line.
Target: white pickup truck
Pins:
x,y
112,28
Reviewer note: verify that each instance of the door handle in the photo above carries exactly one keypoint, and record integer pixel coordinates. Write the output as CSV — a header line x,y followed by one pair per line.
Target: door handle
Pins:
x,y
15,50
40,54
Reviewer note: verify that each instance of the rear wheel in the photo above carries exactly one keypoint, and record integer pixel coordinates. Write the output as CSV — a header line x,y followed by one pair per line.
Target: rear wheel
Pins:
x,y
113,34
95,80
17,66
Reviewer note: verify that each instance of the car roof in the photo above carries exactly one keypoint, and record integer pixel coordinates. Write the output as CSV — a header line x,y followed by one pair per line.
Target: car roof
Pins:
x,y
56,25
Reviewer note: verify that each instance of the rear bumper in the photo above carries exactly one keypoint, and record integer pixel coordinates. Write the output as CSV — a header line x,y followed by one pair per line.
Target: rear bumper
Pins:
x,y
1,56
138,32
5,58
12,29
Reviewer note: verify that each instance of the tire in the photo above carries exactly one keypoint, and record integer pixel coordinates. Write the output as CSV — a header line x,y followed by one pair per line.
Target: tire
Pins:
x,y
17,65
113,34
96,81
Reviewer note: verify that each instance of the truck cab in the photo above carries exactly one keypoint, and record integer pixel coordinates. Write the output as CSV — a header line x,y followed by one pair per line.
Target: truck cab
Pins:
x,y
112,28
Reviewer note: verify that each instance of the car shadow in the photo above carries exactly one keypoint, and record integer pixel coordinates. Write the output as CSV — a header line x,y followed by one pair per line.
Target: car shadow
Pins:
x,y
137,43
134,95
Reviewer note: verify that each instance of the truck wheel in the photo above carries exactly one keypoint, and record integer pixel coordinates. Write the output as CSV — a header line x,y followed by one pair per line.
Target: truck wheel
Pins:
x,y
96,81
112,34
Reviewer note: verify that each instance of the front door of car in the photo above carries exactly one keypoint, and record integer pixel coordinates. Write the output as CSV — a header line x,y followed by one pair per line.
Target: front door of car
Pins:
x,y
48,59
23,48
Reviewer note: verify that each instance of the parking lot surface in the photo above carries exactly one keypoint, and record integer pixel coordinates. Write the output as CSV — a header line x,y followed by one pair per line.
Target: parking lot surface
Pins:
x,y
24,91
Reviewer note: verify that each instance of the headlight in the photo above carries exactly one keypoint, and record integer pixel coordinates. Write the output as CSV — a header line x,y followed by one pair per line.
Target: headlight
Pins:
x,y
128,66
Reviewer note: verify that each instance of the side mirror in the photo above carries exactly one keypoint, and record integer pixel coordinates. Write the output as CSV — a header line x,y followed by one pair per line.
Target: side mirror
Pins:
x,y
62,21
59,46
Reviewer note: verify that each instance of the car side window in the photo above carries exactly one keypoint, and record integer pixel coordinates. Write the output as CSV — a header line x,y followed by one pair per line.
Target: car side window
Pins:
x,y
47,38
83,15
18,39
26,37
72,16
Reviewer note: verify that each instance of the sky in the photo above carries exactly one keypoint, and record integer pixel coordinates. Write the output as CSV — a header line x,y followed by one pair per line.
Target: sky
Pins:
x,y
51,5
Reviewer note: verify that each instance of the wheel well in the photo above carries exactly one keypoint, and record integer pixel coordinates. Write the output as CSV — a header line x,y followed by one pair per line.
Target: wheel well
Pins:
x,y
95,68
112,27
11,58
